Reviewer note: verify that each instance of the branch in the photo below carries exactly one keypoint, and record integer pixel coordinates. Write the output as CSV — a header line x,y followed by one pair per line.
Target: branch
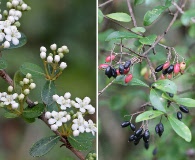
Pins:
x,y
103,4
8,79
100,92
131,13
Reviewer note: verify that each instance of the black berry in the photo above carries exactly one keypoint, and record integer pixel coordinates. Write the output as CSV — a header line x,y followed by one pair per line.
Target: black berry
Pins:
x,y
164,72
179,115
184,109
125,124
131,138
157,129
161,127
159,68
168,103
108,71
155,151
127,64
136,142
170,69
132,126
139,132
114,73
171,95
146,135
146,145
121,69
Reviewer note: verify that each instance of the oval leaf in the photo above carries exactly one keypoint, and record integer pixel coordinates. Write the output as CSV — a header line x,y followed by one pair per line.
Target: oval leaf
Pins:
x,y
148,40
47,92
134,81
43,146
10,115
100,16
188,102
157,101
186,17
138,29
33,69
82,142
180,128
33,112
119,35
148,115
166,86
153,14
121,17
3,64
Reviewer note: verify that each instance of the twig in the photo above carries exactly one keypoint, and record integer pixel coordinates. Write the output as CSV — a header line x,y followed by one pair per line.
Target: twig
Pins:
x,y
103,4
151,68
8,79
100,92
178,8
131,13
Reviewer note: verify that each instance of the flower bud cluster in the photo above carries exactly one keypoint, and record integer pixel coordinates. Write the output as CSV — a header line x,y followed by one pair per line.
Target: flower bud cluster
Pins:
x,y
9,33
79,107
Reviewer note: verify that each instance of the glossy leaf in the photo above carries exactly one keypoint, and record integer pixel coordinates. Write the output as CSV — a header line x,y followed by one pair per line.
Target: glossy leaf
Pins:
x,y
153,14
148,40
10,115
33,112
166,86
157,101
121,35
3,64
100,16
136,2
47,92
28,120
138,29
121,17
43,146
180,128
148,115
134,82
82,142
33,69
188,102
186,17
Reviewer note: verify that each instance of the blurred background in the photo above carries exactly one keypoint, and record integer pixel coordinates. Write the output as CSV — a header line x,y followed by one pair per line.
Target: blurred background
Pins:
x,y
118,101
64,22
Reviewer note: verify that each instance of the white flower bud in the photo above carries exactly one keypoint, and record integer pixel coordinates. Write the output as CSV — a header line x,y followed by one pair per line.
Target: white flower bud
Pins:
x,y
75,133
15,3
21,83
43,55
53,47
55,97
28,8
54,113
61,55
0,16
68,117
60,50
5,13
67,95
54,127
9,5
64,48
17,24
49,59
18,14
10,89
21,96
63,65
91,110
43,49
57,58
28,75
15,105
48,115
24,6
6,44
32,86
36,102
26,91
26,80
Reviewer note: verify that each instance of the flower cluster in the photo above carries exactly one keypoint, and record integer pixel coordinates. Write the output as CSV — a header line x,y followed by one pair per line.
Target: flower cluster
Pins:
x,y
8,27
79,109
56,55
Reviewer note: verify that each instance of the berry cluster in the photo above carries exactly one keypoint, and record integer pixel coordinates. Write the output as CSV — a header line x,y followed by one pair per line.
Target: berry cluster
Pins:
x,y
121,69
138,134
168,69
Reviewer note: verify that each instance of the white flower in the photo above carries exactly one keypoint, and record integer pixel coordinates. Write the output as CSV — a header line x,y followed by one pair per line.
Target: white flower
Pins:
x,y
15,105
49,59
64,103
55,97
54,127
83,105
9,100
43,55
32,86
78,125
47,115
2,36
15,3
5,24
57,58
63,65
6,44
53,47
43,49
67,95
75,133
11,19
12,34
91,110
90,127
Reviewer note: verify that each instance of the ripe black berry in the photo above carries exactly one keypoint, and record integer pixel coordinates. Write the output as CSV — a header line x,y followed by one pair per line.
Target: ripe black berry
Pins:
x,y
108,71
155,151
157,129
132,126
146,145
114,73
125,124
159,68
170,69
127,64
184,109
179,115
121,69
146,135
164,72
154,108
171,95
139,132
168,103
131,138
136,142
161,127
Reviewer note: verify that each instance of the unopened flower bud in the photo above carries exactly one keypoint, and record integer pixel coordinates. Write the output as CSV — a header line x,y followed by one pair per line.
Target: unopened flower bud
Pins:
x,y
49,59
67,95
26,91
60,50
57,58
6,44
17,24
5,13
43,49
10,89
55,97
15,105
61,55
21,83
28,75
53,47
21,96
24,6
26,80
32,86
43,55
9,5
47,115
63,65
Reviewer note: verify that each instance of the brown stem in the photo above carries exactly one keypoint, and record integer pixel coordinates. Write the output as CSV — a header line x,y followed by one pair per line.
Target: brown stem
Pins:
x,y
103,4
131,13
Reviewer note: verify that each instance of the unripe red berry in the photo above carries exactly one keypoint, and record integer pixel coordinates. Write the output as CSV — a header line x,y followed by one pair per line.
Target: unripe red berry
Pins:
x,y
126,70
182,66
162,76
166,65
103,66
169,76
109,58
117,71
128,78
176,68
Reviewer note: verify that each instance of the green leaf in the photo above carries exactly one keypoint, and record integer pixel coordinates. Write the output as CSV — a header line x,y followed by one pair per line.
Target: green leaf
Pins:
x,y
47,92
186,17
136,2
168,3
138,29
33,69
10,115
166,86
82,142
119,35
100,16
191,31
134,82
157,101
22,42
153,14
33,112
18,76
43,146
148,115
3,63
52,107
28,120
188,102
148,40
180,128
121,17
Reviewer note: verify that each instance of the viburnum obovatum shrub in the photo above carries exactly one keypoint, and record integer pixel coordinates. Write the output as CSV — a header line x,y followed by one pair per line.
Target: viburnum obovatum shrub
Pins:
x,y
66,116
130,47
